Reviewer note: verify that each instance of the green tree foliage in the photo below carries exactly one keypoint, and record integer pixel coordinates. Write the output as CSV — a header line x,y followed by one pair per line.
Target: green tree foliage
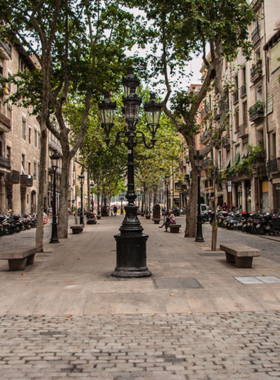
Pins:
x,y
79,47
177,31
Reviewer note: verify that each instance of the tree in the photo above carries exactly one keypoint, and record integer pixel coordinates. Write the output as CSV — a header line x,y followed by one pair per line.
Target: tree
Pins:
x,y
80,50
179,30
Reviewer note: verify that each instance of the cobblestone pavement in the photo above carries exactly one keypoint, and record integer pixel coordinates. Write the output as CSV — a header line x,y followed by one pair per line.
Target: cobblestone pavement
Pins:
x,y
164,346
66,317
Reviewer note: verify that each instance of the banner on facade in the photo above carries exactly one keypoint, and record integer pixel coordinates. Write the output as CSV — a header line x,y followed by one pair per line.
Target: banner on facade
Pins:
x,y
229,186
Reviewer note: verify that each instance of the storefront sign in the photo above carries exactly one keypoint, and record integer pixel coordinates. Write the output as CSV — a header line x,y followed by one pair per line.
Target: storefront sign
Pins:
x,y
277,188
229,186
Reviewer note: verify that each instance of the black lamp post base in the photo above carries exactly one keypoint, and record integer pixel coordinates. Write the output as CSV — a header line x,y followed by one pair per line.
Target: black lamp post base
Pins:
x,y
54,237
131,256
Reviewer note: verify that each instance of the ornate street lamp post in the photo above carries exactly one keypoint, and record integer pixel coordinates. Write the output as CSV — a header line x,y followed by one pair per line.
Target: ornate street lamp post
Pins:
x,y
92,185
198,159
54,158
81,179
131,242
166,181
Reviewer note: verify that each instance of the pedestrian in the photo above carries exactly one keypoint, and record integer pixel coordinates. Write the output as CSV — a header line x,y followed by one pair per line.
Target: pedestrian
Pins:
x,y
115,209
170,219
50,211
224,207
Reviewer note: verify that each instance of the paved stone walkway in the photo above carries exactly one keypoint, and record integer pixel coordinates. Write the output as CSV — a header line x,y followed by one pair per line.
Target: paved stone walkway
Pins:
x,y
164,346
66,317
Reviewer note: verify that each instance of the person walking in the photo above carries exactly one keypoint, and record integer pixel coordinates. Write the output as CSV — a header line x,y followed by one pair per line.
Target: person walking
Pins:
x,y
115,209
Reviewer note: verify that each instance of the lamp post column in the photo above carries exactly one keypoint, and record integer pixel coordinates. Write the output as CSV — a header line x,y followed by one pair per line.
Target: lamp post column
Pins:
x,y
54,238
199,235
82,206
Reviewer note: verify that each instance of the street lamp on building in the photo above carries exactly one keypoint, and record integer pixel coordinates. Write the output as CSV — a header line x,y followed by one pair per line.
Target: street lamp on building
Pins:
x,y
54,161
131,242
198,159
81,179
91,185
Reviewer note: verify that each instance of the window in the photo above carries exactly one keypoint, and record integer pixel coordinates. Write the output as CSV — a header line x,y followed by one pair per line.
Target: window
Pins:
x,y
267,69
259,93
35,138
9,153
273,146
23,129
236,118
245,114
27,198
29,135
22,164
270,104
35,169
29,168
244,75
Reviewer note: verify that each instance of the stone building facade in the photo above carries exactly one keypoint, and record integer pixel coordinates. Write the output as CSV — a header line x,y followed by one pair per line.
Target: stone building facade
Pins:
x,y
249,150
19,142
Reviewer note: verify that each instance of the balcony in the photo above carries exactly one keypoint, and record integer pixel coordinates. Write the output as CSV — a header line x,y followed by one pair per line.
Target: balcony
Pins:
x,y
243,131
205,136
243,91
5,123
256,71
13,177
205,111
206,163
5,50
217,113
53,145
225,141
57,187
235,97
274,165
256,112
26,180
5,163
255,36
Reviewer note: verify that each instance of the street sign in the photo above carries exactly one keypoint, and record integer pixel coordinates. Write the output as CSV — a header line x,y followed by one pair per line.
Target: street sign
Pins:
x,y
229,186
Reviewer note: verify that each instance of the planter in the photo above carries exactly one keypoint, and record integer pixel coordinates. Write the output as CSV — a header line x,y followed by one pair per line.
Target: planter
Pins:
x,y
148,217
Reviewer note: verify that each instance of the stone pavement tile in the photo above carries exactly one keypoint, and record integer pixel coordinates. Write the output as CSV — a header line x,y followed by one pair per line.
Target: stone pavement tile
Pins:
x,y
244,300
26,303
72,304
199,302
266,298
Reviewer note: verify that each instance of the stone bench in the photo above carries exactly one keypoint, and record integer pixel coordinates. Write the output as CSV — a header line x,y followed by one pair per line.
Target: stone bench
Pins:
x,y
174,228
77,229
91,221
240,254
18,258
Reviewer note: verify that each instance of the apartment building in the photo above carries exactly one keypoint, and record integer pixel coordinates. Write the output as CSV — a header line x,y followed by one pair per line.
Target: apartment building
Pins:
x,y
19,141
248,152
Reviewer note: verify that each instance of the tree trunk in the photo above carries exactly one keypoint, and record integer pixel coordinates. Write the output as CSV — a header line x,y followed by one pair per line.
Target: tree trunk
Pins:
x,y
42,167
191,212
63,217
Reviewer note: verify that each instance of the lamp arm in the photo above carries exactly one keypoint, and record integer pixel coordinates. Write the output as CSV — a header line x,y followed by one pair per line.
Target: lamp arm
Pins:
x,y
143,139
119,135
